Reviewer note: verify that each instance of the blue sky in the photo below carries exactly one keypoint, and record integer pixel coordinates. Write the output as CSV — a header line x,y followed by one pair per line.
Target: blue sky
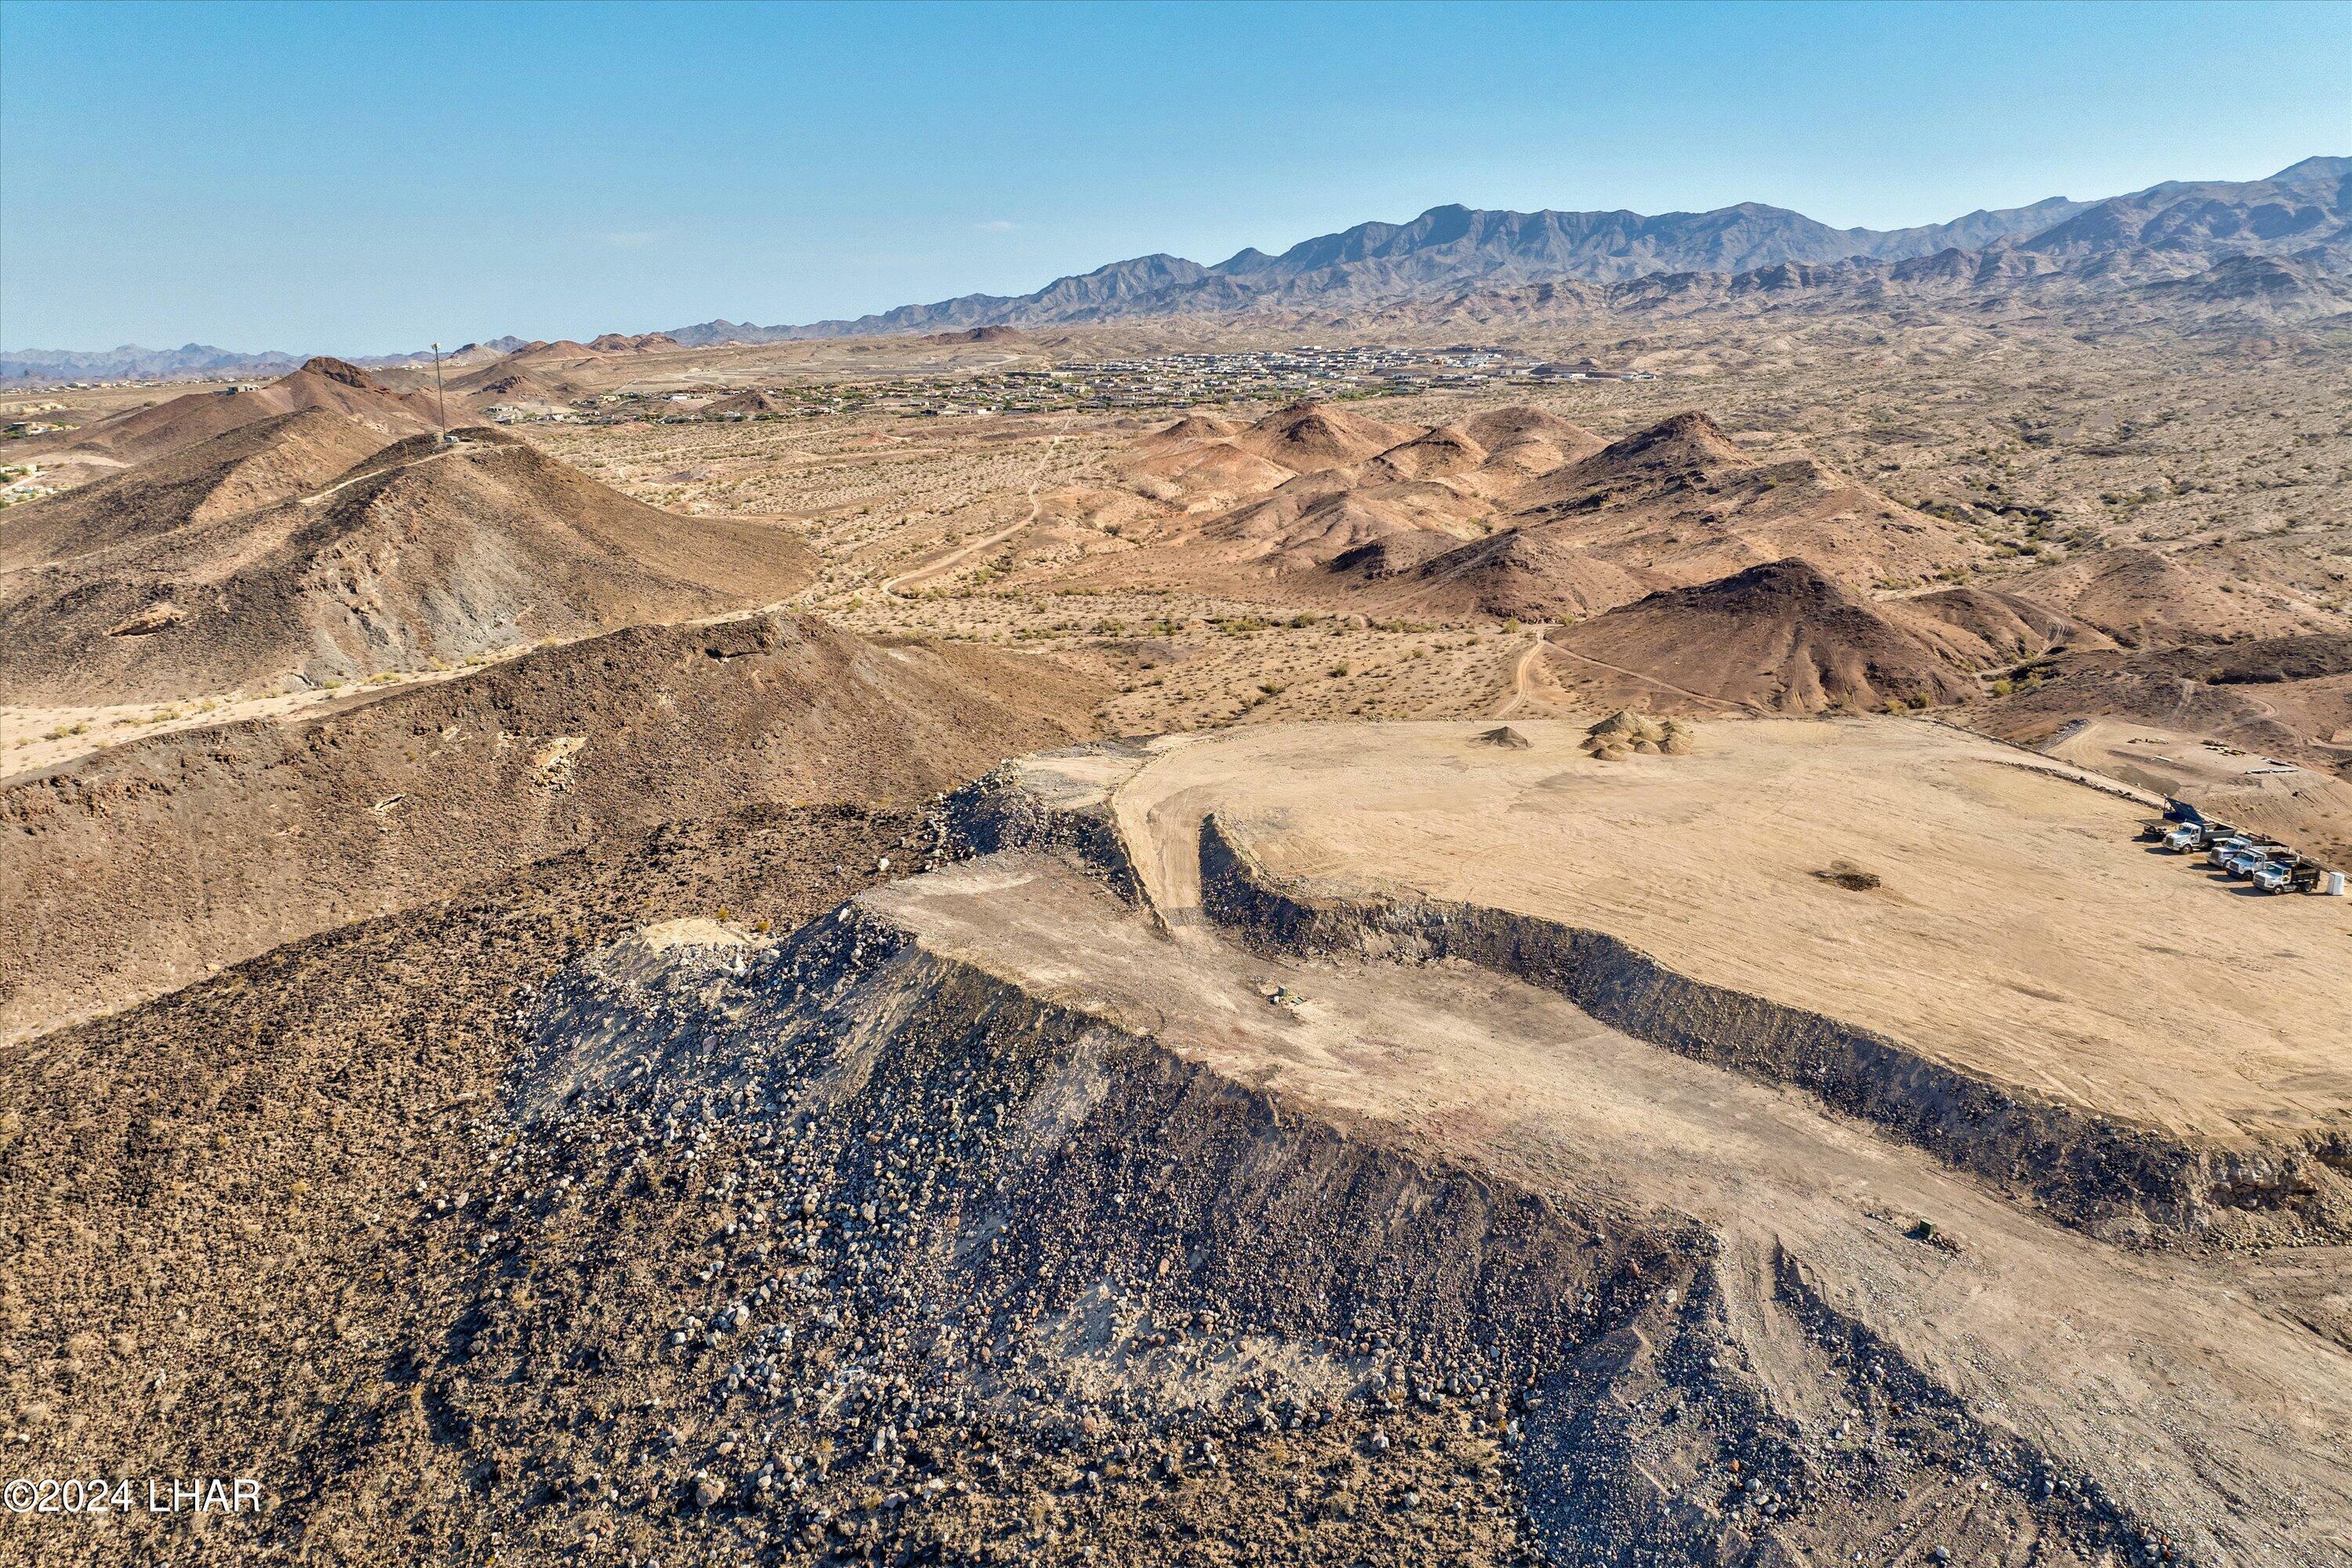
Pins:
x,y
364,178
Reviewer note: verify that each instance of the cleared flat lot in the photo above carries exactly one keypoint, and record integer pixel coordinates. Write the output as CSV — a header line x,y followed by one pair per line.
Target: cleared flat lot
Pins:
x,y
2019,933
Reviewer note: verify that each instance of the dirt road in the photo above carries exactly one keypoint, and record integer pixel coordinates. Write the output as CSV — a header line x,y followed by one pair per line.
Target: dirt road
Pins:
x,y
965,551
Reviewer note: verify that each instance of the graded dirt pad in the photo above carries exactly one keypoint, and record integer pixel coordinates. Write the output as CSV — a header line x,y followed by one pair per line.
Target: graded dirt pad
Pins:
x,y
2302,807
423,551
1024,1212
133,869
2022,936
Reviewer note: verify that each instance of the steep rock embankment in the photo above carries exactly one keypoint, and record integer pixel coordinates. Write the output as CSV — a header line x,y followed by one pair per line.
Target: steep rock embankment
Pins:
x,y
2116,1179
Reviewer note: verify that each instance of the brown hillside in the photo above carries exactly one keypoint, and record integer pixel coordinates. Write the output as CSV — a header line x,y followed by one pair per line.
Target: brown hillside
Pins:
x,y
1191,428
1528,575
746,404
1528,441
1215,473
249,466
1306,437
1304,524
1988,627
1780,636
1434,454
329,384
1680,503
424,551
2138,595
131,871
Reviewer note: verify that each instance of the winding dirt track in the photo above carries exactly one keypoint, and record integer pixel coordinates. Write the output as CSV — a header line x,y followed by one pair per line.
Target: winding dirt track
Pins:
x,y
1723,704
448,449
965,551
1522,677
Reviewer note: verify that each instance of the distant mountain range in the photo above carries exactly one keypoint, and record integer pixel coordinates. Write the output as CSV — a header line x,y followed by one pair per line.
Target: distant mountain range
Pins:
x,y
2299,220
132,363
2303,212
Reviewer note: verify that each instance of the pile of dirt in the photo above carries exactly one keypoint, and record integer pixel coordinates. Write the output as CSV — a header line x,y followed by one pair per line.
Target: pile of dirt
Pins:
x,y
1781,637
1626,734
427,550
133,869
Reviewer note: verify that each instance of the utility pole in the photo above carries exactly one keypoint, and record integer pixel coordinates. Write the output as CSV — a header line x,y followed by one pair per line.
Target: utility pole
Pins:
x,y
438,402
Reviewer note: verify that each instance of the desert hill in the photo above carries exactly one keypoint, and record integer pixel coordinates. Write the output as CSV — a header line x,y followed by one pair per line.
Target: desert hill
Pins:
x,y
1680,498
1529,441
751,404
331,386
1529,574
1308,437
540,372
246,468
148,861
625,342
1191,428
1987,627
1674,504
2289,695
2144,596
1515,513
505,385
422,552
1781,637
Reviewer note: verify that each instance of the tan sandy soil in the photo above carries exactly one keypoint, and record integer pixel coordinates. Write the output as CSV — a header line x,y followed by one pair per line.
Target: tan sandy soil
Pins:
x,y
2020,932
